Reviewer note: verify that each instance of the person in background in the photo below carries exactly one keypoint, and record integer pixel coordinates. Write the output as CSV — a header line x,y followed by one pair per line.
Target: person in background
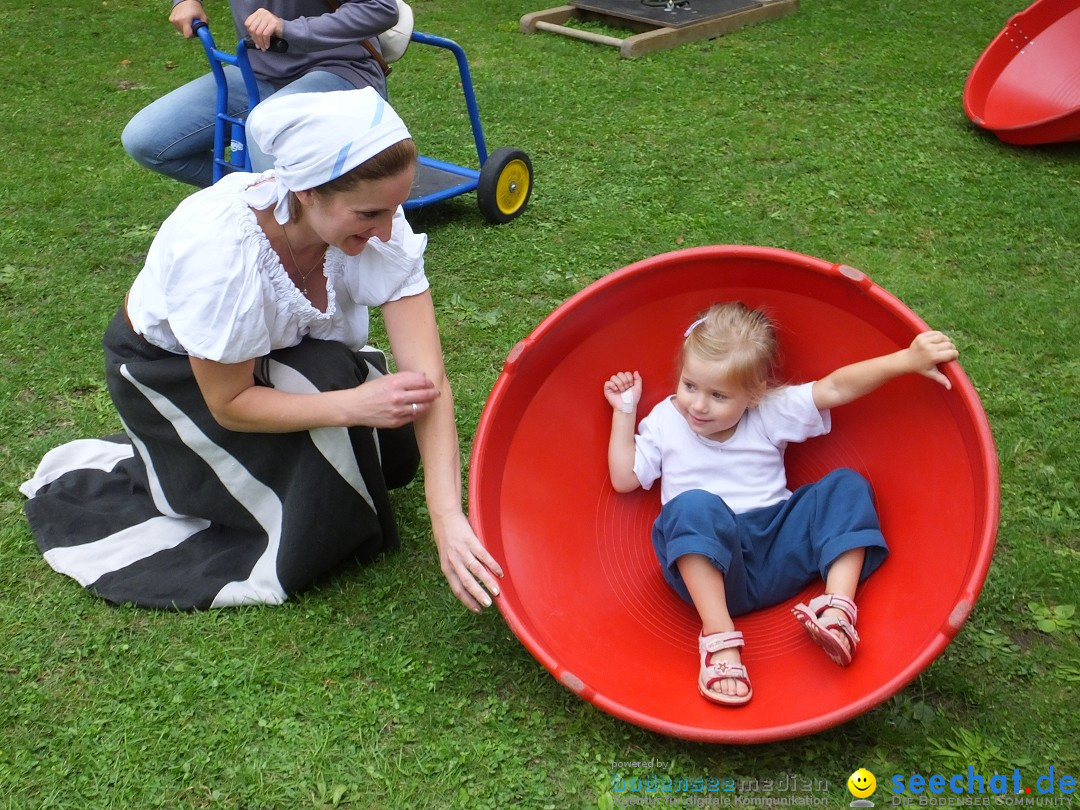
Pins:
x,y
174,135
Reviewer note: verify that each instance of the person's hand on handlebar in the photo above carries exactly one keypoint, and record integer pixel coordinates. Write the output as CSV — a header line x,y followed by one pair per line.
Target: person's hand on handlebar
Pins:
x,y
263,26
184,13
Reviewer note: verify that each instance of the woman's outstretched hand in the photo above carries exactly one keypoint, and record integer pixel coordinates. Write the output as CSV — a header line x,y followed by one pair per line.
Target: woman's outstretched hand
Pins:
x,y
469,568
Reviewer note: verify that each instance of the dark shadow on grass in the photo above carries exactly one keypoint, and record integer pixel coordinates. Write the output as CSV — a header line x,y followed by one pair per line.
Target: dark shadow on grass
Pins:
x,y
433,217
1055,150
1065,150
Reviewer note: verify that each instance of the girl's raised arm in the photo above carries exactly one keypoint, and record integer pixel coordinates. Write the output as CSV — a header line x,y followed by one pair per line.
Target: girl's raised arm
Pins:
x,y
623,392
848,383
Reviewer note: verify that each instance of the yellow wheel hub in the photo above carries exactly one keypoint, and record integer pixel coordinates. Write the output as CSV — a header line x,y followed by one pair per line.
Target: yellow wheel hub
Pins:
x,y
513,187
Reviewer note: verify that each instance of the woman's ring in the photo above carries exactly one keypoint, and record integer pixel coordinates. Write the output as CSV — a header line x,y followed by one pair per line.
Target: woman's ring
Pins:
x,y
414,409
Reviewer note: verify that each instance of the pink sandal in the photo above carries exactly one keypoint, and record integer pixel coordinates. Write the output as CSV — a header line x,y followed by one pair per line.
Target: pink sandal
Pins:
x,y
820,629
711,673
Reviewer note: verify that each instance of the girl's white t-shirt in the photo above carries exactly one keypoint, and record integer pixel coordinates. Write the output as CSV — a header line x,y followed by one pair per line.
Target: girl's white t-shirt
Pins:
x,y
747,469
212,286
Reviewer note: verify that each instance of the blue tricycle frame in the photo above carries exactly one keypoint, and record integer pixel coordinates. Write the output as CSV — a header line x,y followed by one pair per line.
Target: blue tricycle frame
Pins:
x,y
503,183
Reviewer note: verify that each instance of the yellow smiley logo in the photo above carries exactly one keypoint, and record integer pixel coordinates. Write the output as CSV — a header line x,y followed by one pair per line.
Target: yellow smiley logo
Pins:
x,y
861,783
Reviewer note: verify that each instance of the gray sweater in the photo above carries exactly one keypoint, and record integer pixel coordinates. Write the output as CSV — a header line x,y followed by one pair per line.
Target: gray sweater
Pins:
x,y
319,39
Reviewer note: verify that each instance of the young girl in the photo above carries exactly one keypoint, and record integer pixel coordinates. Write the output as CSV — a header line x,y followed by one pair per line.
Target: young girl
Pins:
x,y
731,538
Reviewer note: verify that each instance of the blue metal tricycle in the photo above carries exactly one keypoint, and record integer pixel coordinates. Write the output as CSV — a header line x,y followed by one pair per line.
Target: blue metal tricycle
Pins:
x,y
502,184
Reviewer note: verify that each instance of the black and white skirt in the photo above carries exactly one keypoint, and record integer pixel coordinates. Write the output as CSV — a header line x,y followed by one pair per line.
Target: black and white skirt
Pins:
x,y
181,513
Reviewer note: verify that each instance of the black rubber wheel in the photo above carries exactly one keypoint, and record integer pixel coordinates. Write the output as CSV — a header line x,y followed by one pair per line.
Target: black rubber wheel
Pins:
x,y
506,181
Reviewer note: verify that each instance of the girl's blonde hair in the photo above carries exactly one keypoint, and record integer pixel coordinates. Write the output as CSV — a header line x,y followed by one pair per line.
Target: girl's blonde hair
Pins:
x,y
742,340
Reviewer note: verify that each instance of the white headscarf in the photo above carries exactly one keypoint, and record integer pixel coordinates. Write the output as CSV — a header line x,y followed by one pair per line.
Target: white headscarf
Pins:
x,y
316,137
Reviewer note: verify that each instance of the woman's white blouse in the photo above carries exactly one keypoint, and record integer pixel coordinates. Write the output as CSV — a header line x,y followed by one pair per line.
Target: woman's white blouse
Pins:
x,y
212,286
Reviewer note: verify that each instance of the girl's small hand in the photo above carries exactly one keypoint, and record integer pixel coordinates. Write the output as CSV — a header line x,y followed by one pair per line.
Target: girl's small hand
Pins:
x,y
927,351
262,25
616,388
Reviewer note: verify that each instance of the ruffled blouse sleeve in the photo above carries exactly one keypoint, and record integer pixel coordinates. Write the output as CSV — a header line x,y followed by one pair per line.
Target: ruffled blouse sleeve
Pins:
x,y
387,271
208,260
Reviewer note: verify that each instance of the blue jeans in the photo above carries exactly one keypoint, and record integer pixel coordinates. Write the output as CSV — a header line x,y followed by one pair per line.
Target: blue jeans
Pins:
x,y
175,134
768,555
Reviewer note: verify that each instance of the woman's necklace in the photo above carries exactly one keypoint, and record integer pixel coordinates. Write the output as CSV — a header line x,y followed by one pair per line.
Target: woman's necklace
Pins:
x,y
303,275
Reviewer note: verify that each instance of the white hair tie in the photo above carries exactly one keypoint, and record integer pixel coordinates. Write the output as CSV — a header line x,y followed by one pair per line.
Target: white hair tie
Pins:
x,y
693,326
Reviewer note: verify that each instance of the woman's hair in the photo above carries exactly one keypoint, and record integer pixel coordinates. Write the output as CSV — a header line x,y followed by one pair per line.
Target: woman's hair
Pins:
x,y
389,162
742,340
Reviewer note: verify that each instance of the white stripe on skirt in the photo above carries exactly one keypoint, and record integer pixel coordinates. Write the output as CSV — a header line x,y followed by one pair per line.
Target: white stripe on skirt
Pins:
x,y
262,585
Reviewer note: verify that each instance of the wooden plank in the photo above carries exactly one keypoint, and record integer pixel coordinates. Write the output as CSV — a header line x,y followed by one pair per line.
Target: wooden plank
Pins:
x,y
578,33
664,38
650,38
658,16
552,16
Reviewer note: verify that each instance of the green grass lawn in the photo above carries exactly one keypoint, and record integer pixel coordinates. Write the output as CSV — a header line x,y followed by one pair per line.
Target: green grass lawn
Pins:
x,y
838,132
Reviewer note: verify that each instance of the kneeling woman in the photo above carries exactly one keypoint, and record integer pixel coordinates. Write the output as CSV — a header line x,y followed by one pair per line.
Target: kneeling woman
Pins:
x,y
261,435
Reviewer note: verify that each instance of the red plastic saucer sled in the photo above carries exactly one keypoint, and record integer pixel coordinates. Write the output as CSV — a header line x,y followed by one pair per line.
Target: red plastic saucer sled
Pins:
x,y
1025,88
583,591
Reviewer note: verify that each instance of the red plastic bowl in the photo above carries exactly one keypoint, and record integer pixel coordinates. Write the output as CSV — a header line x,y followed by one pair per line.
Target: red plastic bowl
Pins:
x,y
583,591
1025,88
